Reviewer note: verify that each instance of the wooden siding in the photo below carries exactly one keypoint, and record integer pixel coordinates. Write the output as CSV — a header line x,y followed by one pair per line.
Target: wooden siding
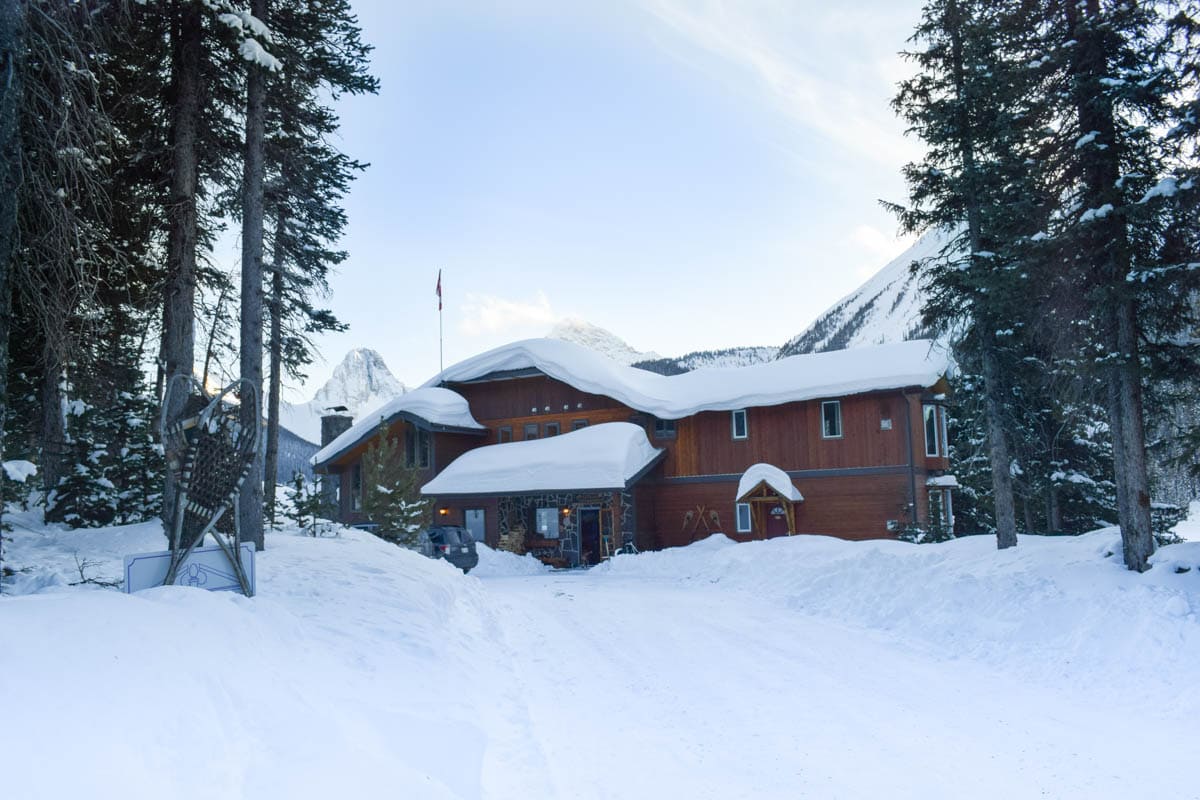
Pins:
x,y
517,397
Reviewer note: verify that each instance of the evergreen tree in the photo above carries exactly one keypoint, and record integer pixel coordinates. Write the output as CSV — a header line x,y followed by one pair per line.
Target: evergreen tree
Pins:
x,y
392,491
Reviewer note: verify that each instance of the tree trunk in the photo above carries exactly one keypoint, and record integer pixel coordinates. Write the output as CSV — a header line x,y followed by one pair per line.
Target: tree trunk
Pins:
x,y
276,370
1053,511
1138,537
178,335
250,504
11,45
53,428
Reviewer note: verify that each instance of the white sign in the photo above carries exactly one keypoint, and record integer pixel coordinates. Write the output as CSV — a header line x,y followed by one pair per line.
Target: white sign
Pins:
x,y
204,568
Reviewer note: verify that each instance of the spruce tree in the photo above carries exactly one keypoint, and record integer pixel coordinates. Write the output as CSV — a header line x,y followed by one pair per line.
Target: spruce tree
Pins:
x,y
392,491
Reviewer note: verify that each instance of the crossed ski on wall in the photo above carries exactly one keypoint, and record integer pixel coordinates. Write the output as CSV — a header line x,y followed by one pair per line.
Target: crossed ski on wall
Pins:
x,y
209,451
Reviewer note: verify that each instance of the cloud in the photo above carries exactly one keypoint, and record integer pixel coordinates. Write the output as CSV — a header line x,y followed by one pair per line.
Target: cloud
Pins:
x,y
485,314
804,61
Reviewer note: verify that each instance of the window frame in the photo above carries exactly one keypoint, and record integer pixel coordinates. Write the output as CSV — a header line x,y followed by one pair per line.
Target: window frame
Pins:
x,y
500,434
535,427
737,518
733,426
356,487
837,404
578,424
929,416
424,449
546,434
661,431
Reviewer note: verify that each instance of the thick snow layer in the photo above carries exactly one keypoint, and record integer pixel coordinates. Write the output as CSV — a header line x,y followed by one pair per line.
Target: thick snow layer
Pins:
x,y
19,470
833,374
943,481
603,456
776,478
432,404
797,667
502,564
601,340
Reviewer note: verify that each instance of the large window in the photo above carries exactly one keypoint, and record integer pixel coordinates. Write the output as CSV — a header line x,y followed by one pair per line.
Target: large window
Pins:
x,y
531,430
932,431
664,429
941,509
743,518
356,488
424,448
741,428
547,523
831,419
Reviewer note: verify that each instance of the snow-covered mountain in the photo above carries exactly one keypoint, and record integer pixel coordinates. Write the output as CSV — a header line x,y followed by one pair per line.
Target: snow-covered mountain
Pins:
x,y
599,339
361,383
887,308
699,359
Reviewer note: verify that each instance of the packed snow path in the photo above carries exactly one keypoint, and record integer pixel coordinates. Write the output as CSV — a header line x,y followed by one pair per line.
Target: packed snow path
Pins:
x,y
804,667
637,690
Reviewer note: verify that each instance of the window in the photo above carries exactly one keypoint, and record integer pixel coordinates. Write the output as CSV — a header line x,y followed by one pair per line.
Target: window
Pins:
x,y
356,488
743,518
664,429
831,419
504,434
547,523
578,424
931,430
552,429
740,428
885,424
531,430
941,509
424,448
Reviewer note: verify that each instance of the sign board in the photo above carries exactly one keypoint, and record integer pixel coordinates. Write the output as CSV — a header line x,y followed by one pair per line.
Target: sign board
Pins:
x,y
204,568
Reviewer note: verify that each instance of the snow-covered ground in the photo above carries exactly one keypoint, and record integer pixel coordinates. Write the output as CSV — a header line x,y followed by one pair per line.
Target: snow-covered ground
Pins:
x,y
798,667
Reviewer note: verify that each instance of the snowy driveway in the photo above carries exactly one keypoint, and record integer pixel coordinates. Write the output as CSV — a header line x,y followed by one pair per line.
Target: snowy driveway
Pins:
x,y
646,689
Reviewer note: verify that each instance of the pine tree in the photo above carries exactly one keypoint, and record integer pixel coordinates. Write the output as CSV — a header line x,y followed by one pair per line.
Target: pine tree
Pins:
x,y
968,105
391,491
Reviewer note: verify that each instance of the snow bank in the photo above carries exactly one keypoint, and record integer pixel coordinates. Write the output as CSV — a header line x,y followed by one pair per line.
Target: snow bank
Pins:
x,y
776,478
434,405
503,564
806,377
354,673
602,456
1051,608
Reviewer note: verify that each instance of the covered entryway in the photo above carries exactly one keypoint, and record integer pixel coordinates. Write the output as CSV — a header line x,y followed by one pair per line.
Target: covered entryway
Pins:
x,y
772,498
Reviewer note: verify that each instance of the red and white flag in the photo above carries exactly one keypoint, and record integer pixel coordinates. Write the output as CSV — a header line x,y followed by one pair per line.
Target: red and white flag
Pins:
x,y
439,290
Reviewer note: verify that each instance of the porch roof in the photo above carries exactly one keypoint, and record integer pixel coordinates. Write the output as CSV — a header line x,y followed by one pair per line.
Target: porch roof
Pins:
x,y
773,477
607,457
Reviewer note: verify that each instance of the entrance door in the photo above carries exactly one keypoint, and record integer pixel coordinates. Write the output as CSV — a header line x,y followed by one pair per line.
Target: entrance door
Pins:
x,y
589,536
776,520
473,520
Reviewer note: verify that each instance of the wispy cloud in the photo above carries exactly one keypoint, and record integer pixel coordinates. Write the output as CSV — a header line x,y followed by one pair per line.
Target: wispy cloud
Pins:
x,y
804,61
486,314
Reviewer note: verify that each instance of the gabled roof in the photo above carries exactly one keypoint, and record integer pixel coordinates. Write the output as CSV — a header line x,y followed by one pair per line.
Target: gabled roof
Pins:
x,y
773,477
606,457
834,374
431,408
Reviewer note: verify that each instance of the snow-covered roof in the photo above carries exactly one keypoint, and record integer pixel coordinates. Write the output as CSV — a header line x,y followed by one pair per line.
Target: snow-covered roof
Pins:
x,y
441,408
943,481
599,457
805,377
774,477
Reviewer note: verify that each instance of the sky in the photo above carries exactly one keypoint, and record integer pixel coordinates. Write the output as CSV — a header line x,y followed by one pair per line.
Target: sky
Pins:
x,y
688,175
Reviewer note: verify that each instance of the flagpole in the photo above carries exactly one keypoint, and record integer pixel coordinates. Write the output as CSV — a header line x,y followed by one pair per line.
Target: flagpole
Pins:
x,y
441,340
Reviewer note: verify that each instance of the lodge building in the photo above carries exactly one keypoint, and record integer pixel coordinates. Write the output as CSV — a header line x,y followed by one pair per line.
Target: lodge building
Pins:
x,y
579,455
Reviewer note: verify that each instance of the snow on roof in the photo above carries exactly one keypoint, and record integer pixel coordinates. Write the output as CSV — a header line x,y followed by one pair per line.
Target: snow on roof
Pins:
x,y
776,478
943,481
806,377
439,407
605,456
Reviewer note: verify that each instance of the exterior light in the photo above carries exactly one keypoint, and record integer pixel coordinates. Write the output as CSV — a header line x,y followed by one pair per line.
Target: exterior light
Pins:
x,y
547,408
566,511
443,511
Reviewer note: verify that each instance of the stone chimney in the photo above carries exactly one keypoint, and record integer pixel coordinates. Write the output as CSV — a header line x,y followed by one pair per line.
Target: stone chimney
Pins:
x,y
334,423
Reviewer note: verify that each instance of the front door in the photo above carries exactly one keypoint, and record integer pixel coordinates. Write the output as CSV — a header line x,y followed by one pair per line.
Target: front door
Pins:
x,y
474,521
776,520
589,536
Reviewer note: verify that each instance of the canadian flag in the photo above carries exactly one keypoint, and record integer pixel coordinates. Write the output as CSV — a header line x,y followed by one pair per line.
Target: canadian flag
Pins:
x,y
439,290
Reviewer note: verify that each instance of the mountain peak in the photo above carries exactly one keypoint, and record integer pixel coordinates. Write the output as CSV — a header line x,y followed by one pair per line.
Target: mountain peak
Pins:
x,y
593,337
361,376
